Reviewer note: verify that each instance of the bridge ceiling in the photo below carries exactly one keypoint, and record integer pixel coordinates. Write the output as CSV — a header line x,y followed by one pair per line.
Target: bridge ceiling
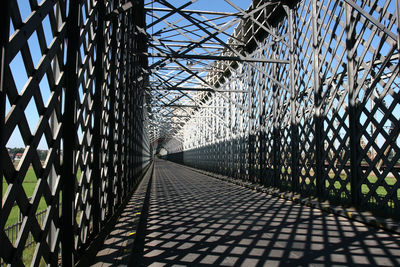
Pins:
x,y
189,44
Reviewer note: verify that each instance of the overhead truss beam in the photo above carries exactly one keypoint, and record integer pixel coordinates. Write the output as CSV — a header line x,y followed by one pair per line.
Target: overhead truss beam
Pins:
x,y
218,57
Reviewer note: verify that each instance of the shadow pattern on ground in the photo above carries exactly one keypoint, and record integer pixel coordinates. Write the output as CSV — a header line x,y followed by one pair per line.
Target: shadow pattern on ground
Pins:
x,y
196,220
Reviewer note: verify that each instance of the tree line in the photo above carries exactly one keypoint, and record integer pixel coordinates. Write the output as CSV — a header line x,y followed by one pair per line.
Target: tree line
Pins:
x,y
14,151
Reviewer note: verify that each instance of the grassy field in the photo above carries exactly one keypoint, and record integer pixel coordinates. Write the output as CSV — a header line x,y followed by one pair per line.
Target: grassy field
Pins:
x,y
380,190
29,185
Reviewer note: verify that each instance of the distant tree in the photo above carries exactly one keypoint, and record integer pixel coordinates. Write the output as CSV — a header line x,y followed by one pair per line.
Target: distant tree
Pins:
x,y
42,154
17,150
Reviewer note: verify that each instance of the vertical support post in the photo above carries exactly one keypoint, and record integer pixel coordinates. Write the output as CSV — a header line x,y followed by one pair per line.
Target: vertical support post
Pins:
x,y
227,133
262,135
120,188
275,133
4,34
128,110
318,121
398,22
111,132
99,72
232,142
352,96
140,22
69,126
241,144
53,127
251,142
131,109
293,102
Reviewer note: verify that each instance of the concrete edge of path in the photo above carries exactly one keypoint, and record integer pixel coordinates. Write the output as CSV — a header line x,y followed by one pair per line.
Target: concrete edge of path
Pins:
x,y
350,213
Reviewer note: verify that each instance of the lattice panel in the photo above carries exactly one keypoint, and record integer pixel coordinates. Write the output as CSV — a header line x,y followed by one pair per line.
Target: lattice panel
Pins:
x,y
84,118
33,117
268,166
78,125
377,70
305,112
283,115
105,123
335,102
324,122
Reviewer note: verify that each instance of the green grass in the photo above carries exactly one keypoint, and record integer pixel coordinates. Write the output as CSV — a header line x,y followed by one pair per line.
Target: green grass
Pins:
x,y
380,190
27,256
29,185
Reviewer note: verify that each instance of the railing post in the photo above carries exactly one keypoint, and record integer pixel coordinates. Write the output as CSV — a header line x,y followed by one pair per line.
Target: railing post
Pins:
x,y
251,134
398,22
293,102
111,130
262,136
4,34
52,178
318,120
139,19
69,134
121,132
128,106
261,131
352,108
275,133
99,72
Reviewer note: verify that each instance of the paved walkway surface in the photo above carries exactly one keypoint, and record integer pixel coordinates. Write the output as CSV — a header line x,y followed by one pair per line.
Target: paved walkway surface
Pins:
x,y
117,247
196,220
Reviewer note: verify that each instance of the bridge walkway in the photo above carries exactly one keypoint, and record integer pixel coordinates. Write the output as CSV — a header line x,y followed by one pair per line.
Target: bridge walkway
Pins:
x,y
196,220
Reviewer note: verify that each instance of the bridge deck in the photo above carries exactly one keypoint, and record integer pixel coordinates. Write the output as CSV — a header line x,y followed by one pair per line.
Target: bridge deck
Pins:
x,y
194,219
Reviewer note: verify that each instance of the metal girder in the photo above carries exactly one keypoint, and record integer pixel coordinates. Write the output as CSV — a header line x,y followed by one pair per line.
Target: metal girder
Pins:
x,y
218,57
196,89
188,106
119,10
195,11
182,89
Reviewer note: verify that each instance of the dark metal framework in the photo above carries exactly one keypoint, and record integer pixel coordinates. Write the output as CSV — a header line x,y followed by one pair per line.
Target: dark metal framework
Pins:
x,y
298,95
69,86
325,124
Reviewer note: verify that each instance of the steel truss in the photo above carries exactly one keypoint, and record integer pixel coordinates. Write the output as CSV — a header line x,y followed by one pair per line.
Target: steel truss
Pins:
x,y
298,95
71,87
325,125
187,47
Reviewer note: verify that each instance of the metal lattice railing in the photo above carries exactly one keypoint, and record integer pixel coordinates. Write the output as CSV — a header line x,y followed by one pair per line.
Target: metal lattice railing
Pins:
x,y
326,124
303,97
70,87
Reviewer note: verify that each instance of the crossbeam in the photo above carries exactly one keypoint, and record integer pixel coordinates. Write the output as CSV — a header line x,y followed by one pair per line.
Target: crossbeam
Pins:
x,y
217,57
236,14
